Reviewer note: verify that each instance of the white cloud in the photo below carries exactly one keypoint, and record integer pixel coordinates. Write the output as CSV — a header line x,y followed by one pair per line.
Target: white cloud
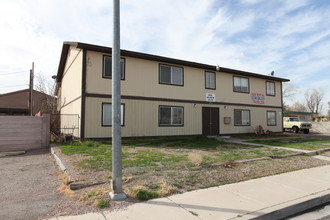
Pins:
x,y
290,37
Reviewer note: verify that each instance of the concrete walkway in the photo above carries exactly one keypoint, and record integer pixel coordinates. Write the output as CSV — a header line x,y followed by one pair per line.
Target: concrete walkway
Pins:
x,y
273,197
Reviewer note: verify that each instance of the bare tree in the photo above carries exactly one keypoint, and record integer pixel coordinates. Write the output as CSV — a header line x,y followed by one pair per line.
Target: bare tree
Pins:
x,y
289,91
298,107
48,88
314,99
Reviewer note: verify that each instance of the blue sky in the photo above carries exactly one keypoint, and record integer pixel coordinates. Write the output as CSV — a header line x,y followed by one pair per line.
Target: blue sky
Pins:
x,y
290,37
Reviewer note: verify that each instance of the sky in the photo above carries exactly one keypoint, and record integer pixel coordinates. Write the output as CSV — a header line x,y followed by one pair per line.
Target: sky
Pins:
x,y
289,37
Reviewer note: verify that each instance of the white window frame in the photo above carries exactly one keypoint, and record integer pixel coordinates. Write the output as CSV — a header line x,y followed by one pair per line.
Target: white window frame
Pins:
x,y
270,88
271,118
245,117
239,82
107,114
172,118
172,73
210,80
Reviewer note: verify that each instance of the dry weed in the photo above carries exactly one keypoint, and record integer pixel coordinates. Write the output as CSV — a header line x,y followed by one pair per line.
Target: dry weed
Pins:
x,y
64,178
92,196
195,158
127,179
65,189
134,190
165,189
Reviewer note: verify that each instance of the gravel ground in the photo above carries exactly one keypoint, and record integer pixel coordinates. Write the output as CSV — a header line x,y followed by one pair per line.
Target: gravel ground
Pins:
x,y
29,186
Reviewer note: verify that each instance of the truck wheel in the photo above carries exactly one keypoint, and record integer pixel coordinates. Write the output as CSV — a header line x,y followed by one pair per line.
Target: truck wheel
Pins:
x,y
306,131
295,129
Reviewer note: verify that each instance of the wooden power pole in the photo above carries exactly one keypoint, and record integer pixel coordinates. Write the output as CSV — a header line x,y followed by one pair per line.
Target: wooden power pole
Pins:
x,y
31,90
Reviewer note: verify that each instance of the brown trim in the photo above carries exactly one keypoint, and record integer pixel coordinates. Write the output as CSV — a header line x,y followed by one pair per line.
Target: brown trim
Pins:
x,y
83,95
267,118
70,102
248,92
12,111
94,95
131,137
215,80
281,85
156,58
108,77
170,106
171,84
249,116
267,81
121,104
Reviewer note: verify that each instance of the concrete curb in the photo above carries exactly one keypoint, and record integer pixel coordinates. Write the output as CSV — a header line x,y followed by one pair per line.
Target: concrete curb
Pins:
x,y
58,160
13,153
294,209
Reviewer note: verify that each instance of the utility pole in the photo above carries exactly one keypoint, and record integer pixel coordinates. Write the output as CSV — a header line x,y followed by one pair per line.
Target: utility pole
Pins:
x,y
31,90
117,193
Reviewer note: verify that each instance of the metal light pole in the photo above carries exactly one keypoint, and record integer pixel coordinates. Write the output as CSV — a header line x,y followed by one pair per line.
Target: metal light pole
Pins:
x,y
117,193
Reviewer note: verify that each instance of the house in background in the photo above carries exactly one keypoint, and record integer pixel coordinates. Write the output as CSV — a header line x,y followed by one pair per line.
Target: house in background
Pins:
x,y
303,116
17,103
163,96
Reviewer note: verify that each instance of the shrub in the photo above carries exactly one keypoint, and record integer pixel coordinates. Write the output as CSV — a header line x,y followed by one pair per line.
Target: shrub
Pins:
x,y
146,195
102,203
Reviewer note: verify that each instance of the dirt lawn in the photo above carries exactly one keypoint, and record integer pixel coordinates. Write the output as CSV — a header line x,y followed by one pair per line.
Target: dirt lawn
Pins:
x,y
176,179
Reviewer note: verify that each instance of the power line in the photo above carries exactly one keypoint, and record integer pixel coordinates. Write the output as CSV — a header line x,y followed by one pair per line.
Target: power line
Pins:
x,y
13,86
3,74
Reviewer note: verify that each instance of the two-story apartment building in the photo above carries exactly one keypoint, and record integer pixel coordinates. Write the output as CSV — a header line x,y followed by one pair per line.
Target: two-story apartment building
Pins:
x,y
163,96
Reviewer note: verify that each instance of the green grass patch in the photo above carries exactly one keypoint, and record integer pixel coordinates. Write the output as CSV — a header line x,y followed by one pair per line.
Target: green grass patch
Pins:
x,y
144,155
297,143
174,142
146,195
102,204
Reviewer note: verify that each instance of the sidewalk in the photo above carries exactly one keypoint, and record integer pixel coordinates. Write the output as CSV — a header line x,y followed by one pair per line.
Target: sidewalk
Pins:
x,y
273,197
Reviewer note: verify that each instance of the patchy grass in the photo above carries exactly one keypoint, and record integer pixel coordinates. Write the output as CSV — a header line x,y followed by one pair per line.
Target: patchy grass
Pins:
x,y
157,167
297,143
156,154
255,136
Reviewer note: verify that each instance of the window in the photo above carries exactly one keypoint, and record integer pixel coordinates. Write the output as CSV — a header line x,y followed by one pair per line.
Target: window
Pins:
x,y
210,80
241,117
270,88
271,118
241,84
170,116
107,67
170,75
107,114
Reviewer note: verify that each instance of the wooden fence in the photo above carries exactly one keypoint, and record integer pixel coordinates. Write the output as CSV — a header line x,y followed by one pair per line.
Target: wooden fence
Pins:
x,y
24,132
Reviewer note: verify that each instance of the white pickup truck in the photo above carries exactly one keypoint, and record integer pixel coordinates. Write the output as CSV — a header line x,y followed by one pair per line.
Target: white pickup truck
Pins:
x,y
294,124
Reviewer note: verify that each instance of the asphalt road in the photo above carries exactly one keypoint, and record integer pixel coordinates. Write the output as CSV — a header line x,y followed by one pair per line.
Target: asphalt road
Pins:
x,y
28,186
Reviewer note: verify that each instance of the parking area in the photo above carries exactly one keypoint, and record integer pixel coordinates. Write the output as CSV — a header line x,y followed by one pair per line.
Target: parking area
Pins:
x,y
28,185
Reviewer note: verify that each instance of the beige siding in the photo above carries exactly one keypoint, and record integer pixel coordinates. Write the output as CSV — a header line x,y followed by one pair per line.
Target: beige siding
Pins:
x,y
141,119
142,79
258,116
70,123
71,88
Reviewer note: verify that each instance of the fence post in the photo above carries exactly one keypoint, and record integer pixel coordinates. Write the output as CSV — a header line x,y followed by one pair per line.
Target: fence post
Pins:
x,y
45,130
